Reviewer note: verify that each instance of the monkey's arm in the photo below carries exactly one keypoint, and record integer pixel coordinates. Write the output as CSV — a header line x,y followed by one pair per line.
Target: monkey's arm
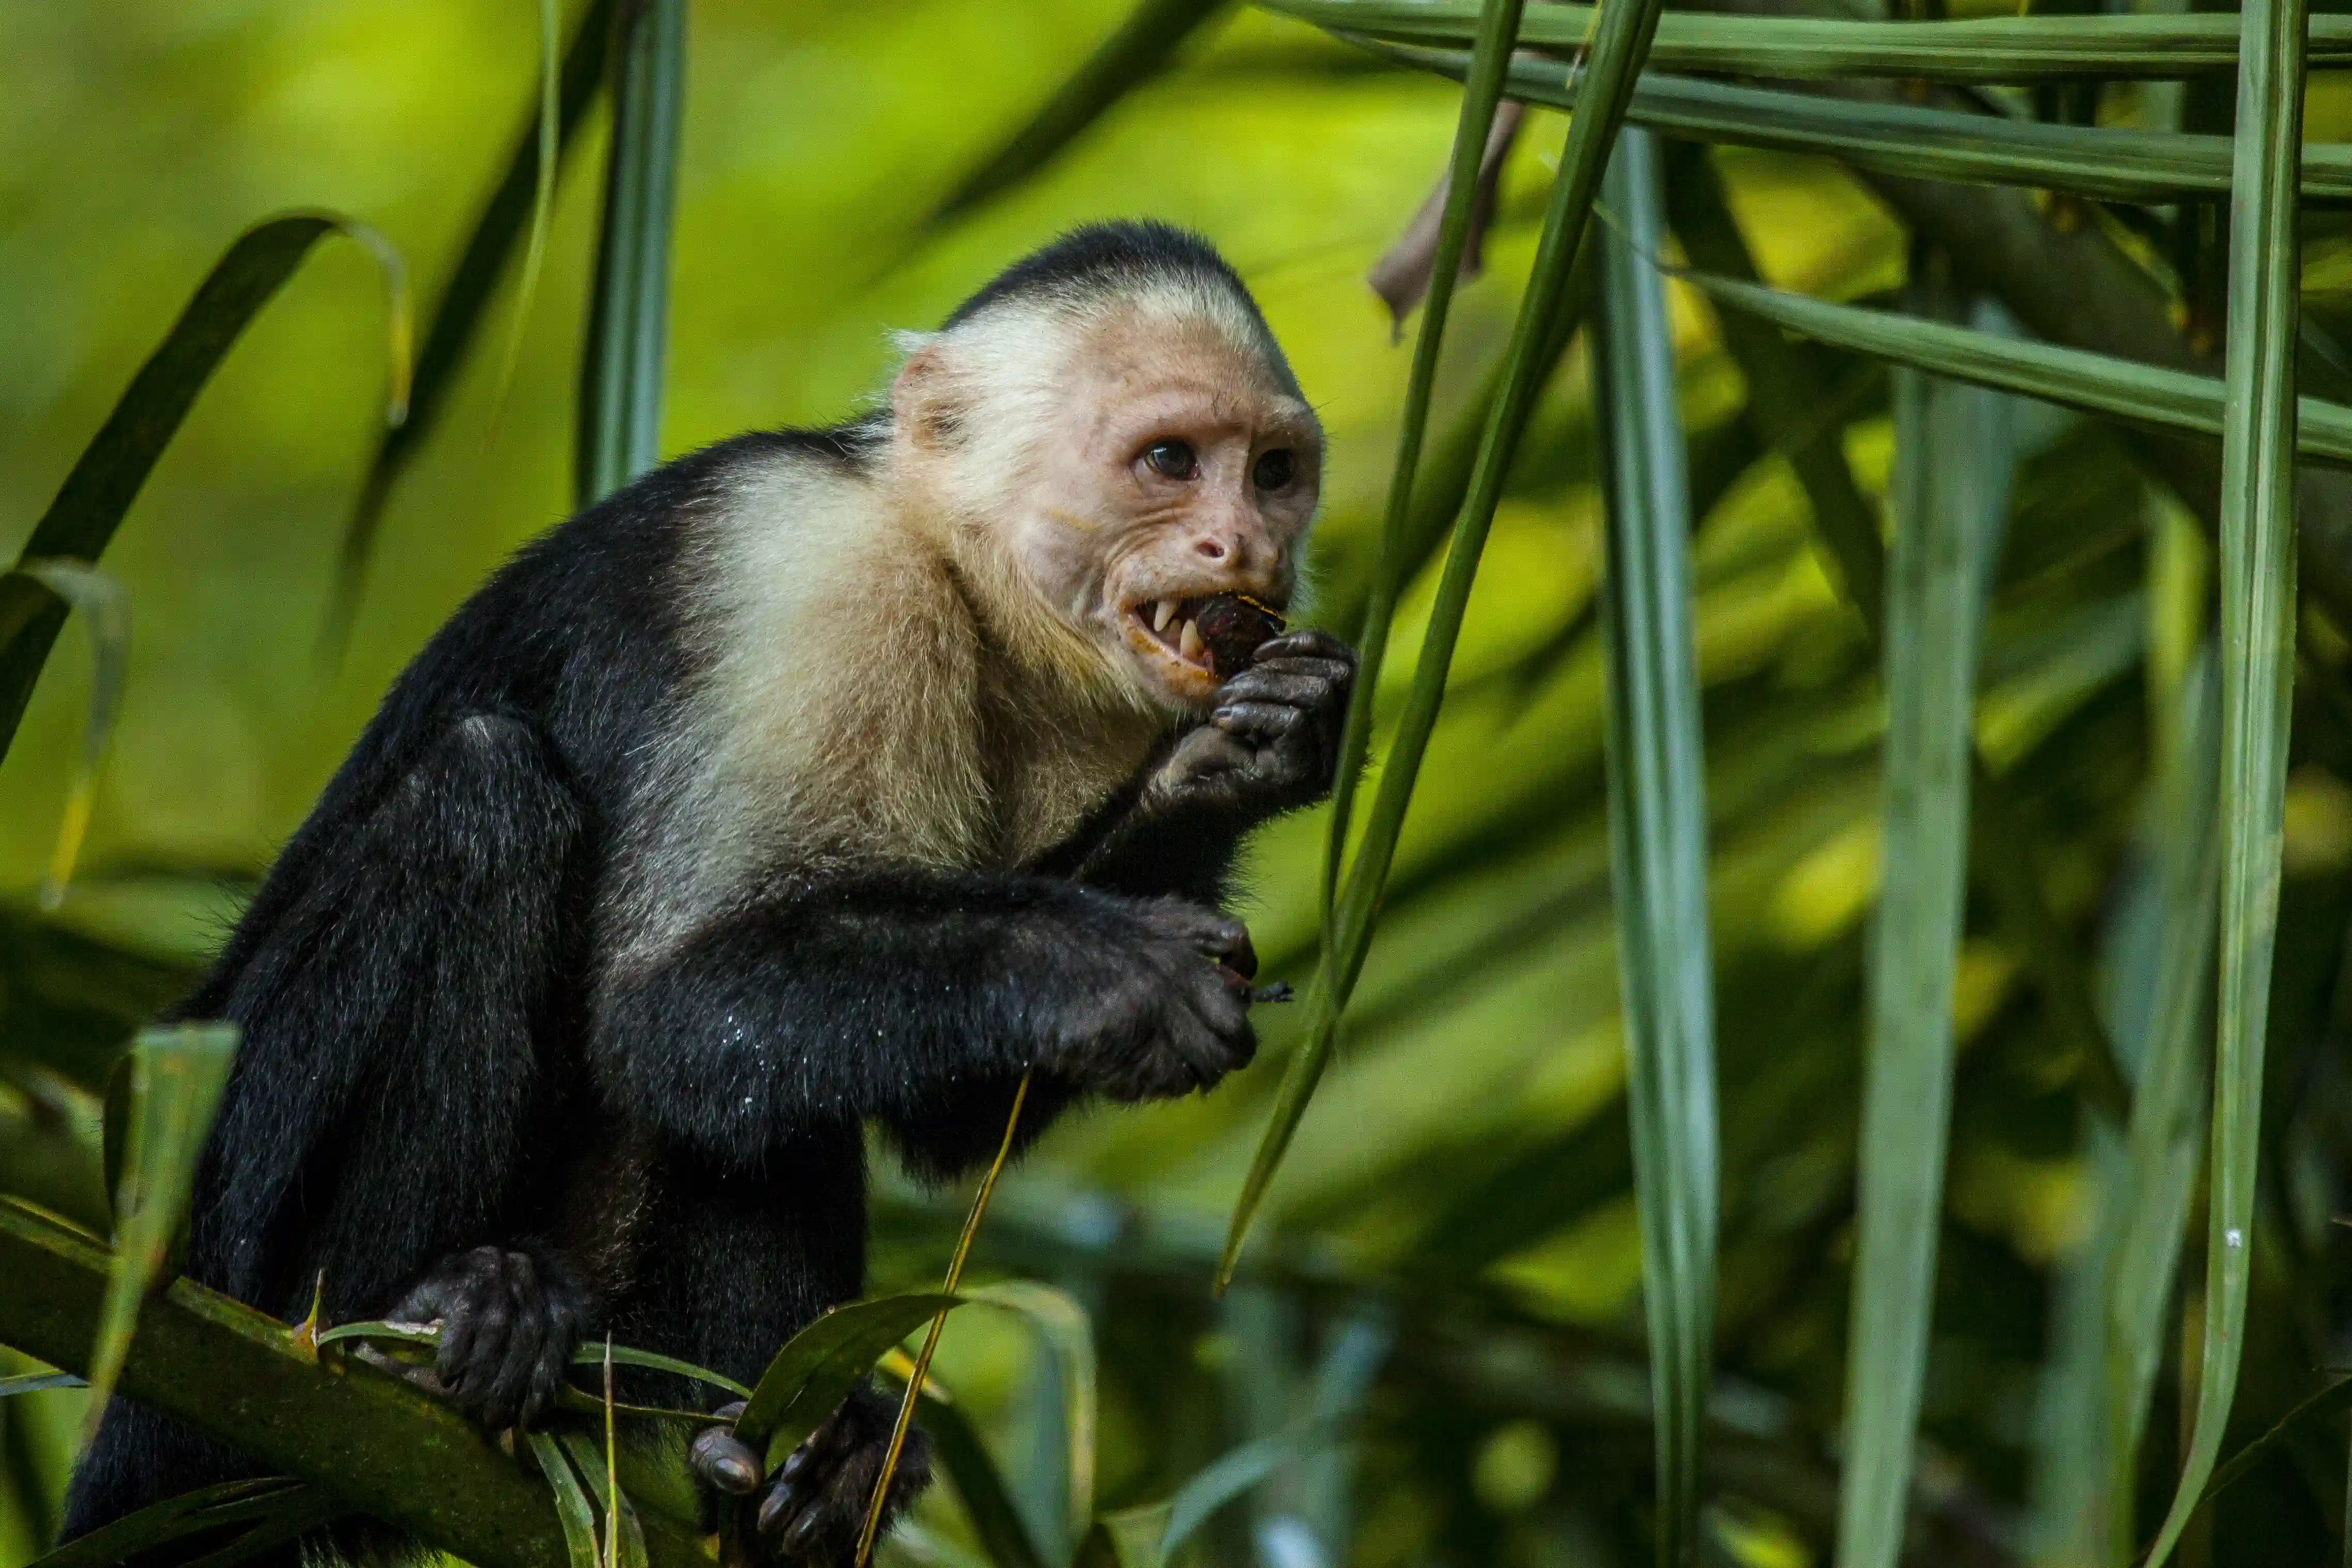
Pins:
x,y
1270,745
903,996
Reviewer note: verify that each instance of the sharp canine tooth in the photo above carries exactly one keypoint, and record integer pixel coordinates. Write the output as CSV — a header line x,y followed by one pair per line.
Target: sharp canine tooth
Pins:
x,y
1189,644
1162,615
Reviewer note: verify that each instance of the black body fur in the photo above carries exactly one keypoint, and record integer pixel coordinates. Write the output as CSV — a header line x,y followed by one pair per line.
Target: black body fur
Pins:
x,y
430,1114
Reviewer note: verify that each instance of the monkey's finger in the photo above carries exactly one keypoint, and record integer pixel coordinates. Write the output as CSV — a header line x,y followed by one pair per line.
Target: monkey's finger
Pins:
x,y
1211,1047
812,1522
1262,721
1310,643
724,1461
510,1386
788,1498
554,1357
1288,683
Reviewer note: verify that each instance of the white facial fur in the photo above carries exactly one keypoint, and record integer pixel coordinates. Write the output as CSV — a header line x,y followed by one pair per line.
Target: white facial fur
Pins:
x,y
1033,427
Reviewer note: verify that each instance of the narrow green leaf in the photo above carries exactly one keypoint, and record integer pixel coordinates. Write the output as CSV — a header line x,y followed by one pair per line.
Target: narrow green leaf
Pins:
x,y
256,1502
622,1355
1935,589
176,1075
1063,1324
819,1366
1482,91
377,1332
1976,48
1657,827
106,612
1621,41
592,1458
628,322
2162,1152
2296,1423
2096,383
987,1501
2258,628
107,477
2107,163
269,1534
571,1504
1141,49
37,1382
543,193
511,211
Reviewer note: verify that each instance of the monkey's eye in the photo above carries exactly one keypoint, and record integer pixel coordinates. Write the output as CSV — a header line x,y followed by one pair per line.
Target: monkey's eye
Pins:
x,y
1172,459
1274,469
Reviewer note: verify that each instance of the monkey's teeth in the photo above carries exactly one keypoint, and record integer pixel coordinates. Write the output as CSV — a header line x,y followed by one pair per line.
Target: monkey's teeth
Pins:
x,y
1189,644
1162,614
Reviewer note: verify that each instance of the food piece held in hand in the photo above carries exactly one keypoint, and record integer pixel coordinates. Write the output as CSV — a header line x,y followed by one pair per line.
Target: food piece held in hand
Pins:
x,y
1234,627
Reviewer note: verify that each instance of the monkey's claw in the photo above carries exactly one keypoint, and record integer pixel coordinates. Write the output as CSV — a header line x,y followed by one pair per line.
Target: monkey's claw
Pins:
x,y
508,1324
813,1510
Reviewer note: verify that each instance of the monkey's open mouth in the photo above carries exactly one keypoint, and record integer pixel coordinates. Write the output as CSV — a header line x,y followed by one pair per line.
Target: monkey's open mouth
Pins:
x,y
1175,625
1214,634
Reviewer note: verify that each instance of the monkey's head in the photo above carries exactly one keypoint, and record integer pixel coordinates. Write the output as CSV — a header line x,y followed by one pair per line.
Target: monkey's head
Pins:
x,y
1112,435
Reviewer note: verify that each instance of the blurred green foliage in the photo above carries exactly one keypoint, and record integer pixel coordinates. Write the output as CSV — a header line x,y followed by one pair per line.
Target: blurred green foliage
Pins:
x,y
1459,1198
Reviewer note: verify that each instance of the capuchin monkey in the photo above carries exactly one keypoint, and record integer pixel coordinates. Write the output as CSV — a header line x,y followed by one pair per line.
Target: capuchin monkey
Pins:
x,y
815,779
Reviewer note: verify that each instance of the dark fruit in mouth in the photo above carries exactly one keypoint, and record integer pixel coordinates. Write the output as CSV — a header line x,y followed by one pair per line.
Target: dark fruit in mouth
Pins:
x,y
1233,627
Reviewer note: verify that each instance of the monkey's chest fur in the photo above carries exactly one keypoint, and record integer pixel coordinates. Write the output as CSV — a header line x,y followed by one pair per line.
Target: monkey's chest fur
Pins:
x,y
854,710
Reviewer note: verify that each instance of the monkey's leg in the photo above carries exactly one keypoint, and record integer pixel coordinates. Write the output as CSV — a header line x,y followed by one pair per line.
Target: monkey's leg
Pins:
x,y
389,985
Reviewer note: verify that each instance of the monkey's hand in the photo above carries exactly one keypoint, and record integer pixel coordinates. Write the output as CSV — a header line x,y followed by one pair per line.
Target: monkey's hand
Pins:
x,y
811,1512
508,1324
1155,1006
1272,742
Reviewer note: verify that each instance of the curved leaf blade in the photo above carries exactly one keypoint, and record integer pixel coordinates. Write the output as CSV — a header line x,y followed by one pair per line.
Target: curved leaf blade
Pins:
x,y
819,1366
1657,827
1935,580
106,613
107,478
2101,161
2258,631
2096,383
1481,95
177,1077
1966,50
629,322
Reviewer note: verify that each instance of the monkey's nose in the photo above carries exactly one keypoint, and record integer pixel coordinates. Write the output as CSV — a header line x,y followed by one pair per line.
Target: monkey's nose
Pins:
x,y
1213,548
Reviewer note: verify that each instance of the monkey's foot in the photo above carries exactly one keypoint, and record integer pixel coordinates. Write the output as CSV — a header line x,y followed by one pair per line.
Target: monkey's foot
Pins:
x,y
812,1511
508,1324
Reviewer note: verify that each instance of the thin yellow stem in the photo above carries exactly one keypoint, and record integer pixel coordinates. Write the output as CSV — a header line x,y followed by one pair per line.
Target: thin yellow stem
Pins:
x,y
931,1338
612,1468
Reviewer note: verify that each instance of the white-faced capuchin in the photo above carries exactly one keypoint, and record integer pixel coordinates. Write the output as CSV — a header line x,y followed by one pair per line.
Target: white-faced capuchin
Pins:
x,y
815,779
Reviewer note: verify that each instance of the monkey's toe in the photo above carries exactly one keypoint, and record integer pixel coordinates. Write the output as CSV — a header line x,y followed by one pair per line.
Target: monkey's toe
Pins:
x,y
508,1325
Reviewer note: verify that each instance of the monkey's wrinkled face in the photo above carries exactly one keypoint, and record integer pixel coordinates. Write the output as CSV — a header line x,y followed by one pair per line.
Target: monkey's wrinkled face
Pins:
x,y
1188,468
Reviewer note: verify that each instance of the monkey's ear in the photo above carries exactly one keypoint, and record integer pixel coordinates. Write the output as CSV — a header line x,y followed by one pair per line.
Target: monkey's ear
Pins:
x,y
925,404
